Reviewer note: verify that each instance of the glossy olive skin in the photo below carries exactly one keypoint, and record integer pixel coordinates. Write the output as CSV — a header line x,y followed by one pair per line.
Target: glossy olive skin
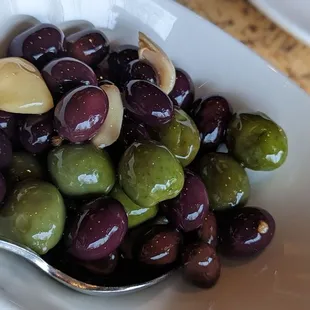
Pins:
x,y
226,181
139,70
2,187
24,166
245,232
211,116
102,267
7,123
80,113
38,44
188,210
35,132
97,230
183,92
64,74
90,46
80,170
148,103
208,232
160,245
201,265
34,215
149,173
5,150
257,142
181,137
136,214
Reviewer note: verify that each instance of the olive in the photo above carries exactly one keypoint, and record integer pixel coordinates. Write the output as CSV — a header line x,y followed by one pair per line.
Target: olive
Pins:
x,y
160,245
148,103
245,232
183,92
226,181
90,46
24,166
136,214
7,123
208,232
188,210
39,44
81,112
2,187
201,265
181,137
81,170
34,215
64,74
149,173
5,150
97,230
211,116
35,132
257,142
103,266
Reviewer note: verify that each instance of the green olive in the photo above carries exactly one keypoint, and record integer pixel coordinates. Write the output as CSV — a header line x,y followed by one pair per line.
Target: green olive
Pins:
x,y
34,215
149,173
226,181
257,142
136,214
181,137
80,170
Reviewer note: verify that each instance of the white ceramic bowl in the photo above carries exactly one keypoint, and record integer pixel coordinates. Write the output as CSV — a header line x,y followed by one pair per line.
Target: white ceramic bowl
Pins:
x,y
280,277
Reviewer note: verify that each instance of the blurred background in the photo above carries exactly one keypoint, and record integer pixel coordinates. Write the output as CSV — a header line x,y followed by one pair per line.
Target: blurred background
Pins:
x,y
247,21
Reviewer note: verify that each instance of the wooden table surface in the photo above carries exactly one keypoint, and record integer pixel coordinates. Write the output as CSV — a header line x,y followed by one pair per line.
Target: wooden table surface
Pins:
x,y
244,22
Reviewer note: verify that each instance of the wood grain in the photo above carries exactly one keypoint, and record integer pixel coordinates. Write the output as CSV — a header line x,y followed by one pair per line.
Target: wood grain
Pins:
x,y
244,22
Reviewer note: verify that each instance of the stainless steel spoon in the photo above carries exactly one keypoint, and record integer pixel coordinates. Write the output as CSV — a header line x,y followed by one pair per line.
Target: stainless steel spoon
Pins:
x,y
82,287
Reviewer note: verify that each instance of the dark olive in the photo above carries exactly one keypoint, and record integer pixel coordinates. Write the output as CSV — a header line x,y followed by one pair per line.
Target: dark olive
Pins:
x,y
245,232
148,103
80,113
208,232
211,116
183,92
38,44
159,246
64,74
2,187
97,230
201,265
5,150
90,46
8,123
188,210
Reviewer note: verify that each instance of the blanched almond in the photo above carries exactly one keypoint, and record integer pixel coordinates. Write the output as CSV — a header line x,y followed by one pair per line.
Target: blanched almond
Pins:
x,y
22,88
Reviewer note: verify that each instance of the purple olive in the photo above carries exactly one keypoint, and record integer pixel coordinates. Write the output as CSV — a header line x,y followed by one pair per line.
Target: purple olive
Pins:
x,y
148,103
98,229
211,116
208,232
64,74
183,92
90,46
139,70
103,266
5,150
80,113
188,210
35,132
245,232
201,265
7,123
160,245
38,44
2,187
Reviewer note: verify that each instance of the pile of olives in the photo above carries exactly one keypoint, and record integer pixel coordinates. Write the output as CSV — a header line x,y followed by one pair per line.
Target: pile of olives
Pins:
x,y
110,169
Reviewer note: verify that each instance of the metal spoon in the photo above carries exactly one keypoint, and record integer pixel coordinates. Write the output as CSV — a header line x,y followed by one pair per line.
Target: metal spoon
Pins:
x,y
82,287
